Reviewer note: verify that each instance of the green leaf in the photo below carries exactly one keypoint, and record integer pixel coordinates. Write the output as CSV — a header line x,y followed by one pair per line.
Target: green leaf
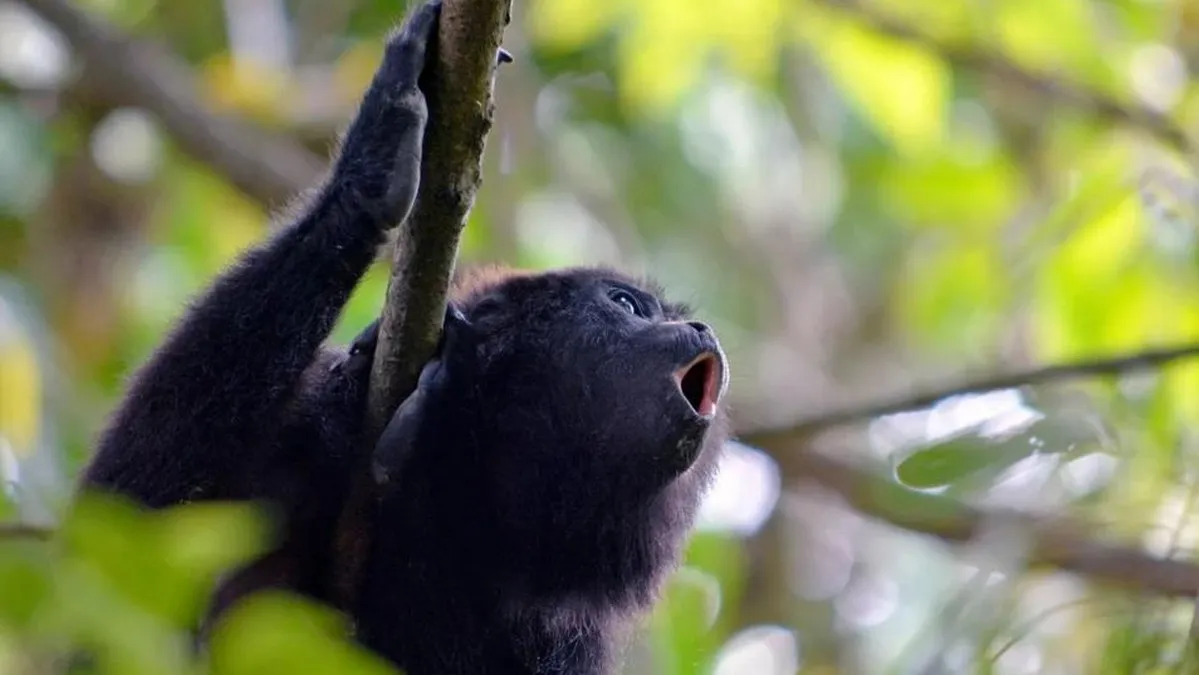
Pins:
x,y
274,632
683,620
25,569
901,89
165,562
952,296
1031,32
958,458
952,190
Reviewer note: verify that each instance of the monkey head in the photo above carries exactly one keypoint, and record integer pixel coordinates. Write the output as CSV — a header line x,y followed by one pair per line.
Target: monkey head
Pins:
x,y
581,415
601,372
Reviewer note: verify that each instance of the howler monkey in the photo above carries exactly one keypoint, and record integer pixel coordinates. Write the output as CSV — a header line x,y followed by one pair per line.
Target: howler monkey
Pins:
x,y
536,487
540,482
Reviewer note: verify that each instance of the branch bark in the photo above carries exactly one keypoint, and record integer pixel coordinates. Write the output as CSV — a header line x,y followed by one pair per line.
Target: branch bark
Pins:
x,y
123,71
1116,365
459,93
1053,542
18,531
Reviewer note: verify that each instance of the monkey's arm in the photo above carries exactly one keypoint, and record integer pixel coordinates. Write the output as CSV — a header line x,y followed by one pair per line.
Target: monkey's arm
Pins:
x,y
214,392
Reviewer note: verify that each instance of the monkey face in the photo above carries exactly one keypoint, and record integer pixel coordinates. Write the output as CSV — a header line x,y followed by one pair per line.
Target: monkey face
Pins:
x,y
596,369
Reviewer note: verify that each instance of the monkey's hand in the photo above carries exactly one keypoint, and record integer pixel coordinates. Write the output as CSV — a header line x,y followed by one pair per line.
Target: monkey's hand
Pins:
x,y
447,372
379,165
361,355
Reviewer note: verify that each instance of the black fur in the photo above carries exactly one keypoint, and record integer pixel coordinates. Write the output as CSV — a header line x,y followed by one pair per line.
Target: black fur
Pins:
x,y
241,402
537,486
540,483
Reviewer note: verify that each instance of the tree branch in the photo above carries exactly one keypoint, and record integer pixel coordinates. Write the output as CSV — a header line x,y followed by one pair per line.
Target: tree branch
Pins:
x,y
128,72
1057,543
18,531
1054,542
459,94
460,115
1127,363
1051,87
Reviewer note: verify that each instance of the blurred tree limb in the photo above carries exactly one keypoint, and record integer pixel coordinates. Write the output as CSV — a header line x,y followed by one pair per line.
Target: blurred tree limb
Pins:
x,y
15,531
458,88
128,72
1116,365
1052,542
1048,86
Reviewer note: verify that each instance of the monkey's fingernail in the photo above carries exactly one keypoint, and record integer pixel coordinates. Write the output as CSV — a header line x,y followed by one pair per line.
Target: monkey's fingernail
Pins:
x,y
504,56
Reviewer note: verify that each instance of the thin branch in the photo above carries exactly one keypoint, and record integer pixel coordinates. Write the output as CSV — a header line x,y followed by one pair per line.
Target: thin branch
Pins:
x,y
125,71
1143,360
460,115
1055,543
459,94
1101,104
18,531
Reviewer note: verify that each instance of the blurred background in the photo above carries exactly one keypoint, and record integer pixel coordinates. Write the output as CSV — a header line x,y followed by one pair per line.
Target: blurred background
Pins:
x,y
866,198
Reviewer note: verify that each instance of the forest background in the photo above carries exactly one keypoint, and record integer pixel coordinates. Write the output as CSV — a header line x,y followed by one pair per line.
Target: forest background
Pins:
x,y
949,247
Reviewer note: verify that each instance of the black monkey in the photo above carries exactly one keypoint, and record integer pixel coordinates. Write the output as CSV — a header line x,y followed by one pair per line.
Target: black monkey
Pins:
x,y
241,402
539,484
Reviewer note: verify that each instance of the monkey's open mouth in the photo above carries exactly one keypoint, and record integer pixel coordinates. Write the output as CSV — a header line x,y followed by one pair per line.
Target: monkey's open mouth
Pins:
x,y
698,383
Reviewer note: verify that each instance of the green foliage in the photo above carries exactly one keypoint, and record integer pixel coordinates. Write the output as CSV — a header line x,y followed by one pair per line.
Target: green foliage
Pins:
x,y
851,210
278,633
121,588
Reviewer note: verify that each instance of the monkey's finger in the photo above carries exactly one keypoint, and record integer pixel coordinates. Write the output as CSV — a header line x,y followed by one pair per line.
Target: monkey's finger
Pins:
x,y
365,342
503,56
420,26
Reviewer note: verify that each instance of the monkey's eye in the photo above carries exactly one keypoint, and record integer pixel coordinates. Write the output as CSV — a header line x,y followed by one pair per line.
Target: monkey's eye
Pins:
x,y
627,302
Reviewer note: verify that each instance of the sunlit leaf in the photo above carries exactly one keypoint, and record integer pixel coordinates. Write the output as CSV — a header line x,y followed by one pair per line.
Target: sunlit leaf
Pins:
x,y
20,386
204,539
952,190
245,86
25,578
209,221
570,24
1098,184
664,45
1030,32
1081,287
682,622
749,34
950,296
957,458
166,562
660,56
273,632
121,636
900,88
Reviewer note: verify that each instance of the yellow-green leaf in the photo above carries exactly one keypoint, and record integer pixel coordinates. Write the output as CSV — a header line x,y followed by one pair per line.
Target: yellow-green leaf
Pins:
x,y
898,87
20,386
